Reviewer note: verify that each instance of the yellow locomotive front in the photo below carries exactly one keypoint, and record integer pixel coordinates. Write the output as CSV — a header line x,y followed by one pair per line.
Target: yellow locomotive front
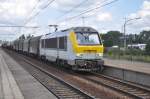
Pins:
x,y
88,49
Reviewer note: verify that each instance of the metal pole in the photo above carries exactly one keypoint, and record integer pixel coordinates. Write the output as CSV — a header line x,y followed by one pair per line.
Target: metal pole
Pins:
x,y
125,33
131,48
125,23
83,21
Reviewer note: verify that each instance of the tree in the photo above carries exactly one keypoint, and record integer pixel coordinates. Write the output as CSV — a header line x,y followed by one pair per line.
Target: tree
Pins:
x,y
147,49
132,38
111,38
144,37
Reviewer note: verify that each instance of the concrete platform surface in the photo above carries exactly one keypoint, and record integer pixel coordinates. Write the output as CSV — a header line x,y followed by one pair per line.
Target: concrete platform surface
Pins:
x,y
17,83
128,65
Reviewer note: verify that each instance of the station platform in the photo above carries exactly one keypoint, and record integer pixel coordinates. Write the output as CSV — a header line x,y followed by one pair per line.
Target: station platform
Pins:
x,y
128,65
17,83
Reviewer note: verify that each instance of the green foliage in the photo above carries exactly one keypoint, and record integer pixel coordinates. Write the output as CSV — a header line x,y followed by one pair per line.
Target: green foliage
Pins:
x,y
117,51
111,38
147,49
129,54
144,37
114,52
134,52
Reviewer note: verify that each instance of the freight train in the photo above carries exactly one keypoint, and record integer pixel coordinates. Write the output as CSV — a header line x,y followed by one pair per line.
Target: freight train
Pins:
x,y
79,48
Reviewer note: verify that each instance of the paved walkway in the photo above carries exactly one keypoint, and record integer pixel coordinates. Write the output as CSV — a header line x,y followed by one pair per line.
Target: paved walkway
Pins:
x,y
17,83
129,65
9,87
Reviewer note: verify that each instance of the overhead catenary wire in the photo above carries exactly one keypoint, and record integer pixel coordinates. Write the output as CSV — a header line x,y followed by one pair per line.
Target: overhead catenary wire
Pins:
x,y
104,1
75,7
16,26
32,17
33,9
50,2
30,14
89,10
10,34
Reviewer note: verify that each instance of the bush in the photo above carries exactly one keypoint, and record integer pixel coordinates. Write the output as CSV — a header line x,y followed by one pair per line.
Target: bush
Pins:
x,y
129,54
114,51
117,51
134,52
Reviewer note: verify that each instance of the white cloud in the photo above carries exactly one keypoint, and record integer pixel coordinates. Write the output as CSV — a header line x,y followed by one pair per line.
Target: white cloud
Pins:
x,y
132,15
104,16
65,5
15,12
144,13
90,19
78,5
146,5
17,8
145,28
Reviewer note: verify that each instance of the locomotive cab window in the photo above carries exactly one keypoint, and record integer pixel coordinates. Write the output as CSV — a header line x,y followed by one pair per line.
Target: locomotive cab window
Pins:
x,y
88,38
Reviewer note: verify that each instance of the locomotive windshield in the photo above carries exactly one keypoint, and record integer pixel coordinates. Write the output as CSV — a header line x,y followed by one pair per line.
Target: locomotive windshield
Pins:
x,y
88,38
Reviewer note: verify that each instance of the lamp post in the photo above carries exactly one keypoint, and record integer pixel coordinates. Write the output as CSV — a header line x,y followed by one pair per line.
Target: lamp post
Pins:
x,y
124,29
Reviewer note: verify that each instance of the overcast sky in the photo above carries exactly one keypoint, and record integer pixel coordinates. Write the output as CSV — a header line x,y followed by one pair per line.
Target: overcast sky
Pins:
x,y
110,17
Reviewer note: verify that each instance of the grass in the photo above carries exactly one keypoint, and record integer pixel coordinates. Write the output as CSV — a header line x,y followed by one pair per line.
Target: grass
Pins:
x,y
141,58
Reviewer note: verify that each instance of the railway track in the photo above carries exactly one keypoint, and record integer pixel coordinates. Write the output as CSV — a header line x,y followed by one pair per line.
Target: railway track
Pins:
x,y
126,88
60,88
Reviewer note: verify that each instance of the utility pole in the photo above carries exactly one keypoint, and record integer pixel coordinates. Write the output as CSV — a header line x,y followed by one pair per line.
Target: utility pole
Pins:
x,y
124,29
124,32
83,21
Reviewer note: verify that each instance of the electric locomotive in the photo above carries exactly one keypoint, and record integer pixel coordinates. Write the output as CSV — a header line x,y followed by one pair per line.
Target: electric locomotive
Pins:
x,y
79,48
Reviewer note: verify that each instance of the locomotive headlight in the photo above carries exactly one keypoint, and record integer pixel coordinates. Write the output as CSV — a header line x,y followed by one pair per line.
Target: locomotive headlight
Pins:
x,y
79,55
99,55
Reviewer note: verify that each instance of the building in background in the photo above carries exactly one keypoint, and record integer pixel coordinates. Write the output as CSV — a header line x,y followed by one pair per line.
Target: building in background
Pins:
x,y
137,46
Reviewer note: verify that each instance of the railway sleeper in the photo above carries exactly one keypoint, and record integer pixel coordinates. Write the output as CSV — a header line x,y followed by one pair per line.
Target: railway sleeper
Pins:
x,y
126,88
116,86
64,90
144,95
71,97
132,90
137,92
67,95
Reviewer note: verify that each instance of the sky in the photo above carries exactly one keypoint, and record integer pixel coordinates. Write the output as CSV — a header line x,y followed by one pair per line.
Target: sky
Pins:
x,y
69,13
